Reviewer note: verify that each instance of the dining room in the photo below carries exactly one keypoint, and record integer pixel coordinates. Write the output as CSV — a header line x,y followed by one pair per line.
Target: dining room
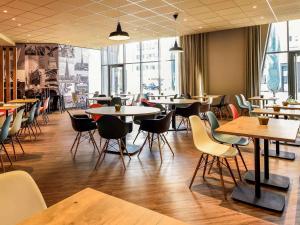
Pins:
x,y
149,112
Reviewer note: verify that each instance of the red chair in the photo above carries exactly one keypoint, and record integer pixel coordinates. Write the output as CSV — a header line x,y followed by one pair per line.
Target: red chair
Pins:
x,y
145,102
234,111
96,117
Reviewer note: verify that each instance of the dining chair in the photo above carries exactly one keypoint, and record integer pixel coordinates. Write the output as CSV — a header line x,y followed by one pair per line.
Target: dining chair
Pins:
x,y
204,108
112,128
115,101
44,110
36,115
243,108
28,122
82,124
208,148
226,138
245,102
3,137
96,117
20,197
138,120
14,131
186,112
218,107
159,127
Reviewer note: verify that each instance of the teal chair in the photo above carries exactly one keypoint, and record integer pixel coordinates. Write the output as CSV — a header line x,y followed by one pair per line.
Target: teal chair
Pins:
x,y
243,108
28,122
226,138
247,103
3,137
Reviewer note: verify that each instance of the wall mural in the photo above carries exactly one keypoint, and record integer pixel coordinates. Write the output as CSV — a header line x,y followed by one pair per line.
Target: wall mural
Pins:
x,y
37,69
73,75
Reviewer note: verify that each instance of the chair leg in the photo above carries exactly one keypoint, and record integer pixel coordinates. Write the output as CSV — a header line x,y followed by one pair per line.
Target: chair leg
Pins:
x,y
38,125
240,153
221,176
12,143
164,137
78,141
211,165
18,140
121,153
149,139
196,170
136,136
230,171
158,139
142,147
6,153
74,142
238,168
205,165
93,141
123,144
152,138
103,151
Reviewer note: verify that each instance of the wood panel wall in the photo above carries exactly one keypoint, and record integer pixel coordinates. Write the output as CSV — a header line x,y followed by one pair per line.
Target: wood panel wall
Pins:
x,y
8,67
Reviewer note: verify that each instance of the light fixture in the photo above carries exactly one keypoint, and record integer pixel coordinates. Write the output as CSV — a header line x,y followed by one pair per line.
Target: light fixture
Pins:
x,y
176,47
119,34
254,7
19,24
5,11
14,19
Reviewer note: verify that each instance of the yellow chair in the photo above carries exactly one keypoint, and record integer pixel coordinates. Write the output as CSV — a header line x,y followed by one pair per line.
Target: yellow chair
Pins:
x,y
208,147
20,197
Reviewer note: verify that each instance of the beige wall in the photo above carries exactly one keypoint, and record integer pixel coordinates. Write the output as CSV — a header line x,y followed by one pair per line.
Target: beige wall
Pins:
x,y
226,62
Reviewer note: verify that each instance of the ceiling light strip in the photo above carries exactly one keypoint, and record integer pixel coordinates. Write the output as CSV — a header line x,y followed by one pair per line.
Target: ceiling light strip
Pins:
x,y
267,1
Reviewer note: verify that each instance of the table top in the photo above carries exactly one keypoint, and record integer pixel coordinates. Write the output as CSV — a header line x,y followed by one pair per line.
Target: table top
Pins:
x,y
282,112
26,100
264,98
10,106
106,98
291,107
207,96
161,96
277,129
174,102
125,111
91,207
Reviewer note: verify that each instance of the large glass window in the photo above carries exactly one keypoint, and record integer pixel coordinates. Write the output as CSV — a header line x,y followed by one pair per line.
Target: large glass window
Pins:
x,y
149,66
279,76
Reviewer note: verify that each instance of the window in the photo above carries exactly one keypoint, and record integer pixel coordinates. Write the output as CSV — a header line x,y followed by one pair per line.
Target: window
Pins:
x,y
280,76
149,66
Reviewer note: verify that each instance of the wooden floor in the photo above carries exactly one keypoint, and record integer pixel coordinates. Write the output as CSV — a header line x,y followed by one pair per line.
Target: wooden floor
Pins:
x,y
163,188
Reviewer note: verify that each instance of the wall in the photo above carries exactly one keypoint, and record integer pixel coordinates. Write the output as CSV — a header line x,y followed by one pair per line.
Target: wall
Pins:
x,y
226,62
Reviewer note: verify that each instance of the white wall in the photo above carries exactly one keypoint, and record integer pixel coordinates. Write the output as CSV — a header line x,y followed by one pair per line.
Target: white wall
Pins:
x,y
94,70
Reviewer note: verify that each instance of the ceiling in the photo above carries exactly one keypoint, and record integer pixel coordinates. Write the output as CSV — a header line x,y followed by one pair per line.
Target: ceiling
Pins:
x,y
87,23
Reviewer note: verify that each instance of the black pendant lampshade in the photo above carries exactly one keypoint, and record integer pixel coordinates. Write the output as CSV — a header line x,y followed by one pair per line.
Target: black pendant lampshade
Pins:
x,y
119,35
176,48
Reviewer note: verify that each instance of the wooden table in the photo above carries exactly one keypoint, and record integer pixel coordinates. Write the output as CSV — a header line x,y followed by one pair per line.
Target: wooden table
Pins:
x,y
173,104
24,101
207,96
91,207
283,112
161,96
107,99
290,107
277,129
125,111
264,100
7,107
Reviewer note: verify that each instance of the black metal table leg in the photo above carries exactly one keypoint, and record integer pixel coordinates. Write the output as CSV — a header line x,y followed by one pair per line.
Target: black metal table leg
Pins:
x,y
256,196
267,179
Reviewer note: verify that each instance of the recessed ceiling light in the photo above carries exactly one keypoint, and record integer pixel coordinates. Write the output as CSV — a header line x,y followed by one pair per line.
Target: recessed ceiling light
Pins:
x,y
5,11
28,35
262,17
13,19
19,24
200,27
254,7
185,19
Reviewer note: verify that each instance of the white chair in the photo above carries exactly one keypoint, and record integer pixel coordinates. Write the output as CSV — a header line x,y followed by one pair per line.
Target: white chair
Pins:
x,y
20,197
208,147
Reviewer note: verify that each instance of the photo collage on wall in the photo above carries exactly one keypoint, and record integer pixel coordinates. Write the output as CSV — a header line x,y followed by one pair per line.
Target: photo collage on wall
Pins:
x,y
73,75
37,69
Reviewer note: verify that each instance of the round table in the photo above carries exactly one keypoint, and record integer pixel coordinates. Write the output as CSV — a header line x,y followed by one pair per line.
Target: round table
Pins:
x,y
173,103
125,111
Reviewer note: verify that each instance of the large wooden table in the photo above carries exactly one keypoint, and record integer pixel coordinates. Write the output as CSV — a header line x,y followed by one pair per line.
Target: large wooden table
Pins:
x,y
264,100
283,112
277,129
8,107
290,107
24,101
91,207
125,111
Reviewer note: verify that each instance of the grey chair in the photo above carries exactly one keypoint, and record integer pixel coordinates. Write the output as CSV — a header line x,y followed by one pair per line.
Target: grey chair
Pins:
x,y
3,137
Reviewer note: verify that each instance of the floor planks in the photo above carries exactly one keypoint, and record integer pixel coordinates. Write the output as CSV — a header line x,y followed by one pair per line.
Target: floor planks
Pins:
x,y
163,188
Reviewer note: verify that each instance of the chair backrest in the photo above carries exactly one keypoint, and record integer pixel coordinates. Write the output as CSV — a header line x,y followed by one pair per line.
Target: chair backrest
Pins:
x,y
73,122
111,127
5,128
115,101
238,101
243,98
20,197
17,123
37,110
102,95
200,136
234,111
46,103
222,100
32,113
204,107
96,117
213,121
166,122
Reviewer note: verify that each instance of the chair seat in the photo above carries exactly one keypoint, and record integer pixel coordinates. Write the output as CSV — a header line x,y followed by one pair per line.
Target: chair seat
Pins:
x,y
231,139
219,150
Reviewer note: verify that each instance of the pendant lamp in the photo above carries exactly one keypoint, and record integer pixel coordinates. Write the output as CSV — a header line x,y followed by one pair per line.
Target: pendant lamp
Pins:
x,y
176,47
119,34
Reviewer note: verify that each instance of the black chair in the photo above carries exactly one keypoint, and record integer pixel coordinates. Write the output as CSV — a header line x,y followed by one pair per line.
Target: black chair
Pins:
x,y
138,120
115,101
112,128
218,108
186,112
82,123
159,127
103,102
